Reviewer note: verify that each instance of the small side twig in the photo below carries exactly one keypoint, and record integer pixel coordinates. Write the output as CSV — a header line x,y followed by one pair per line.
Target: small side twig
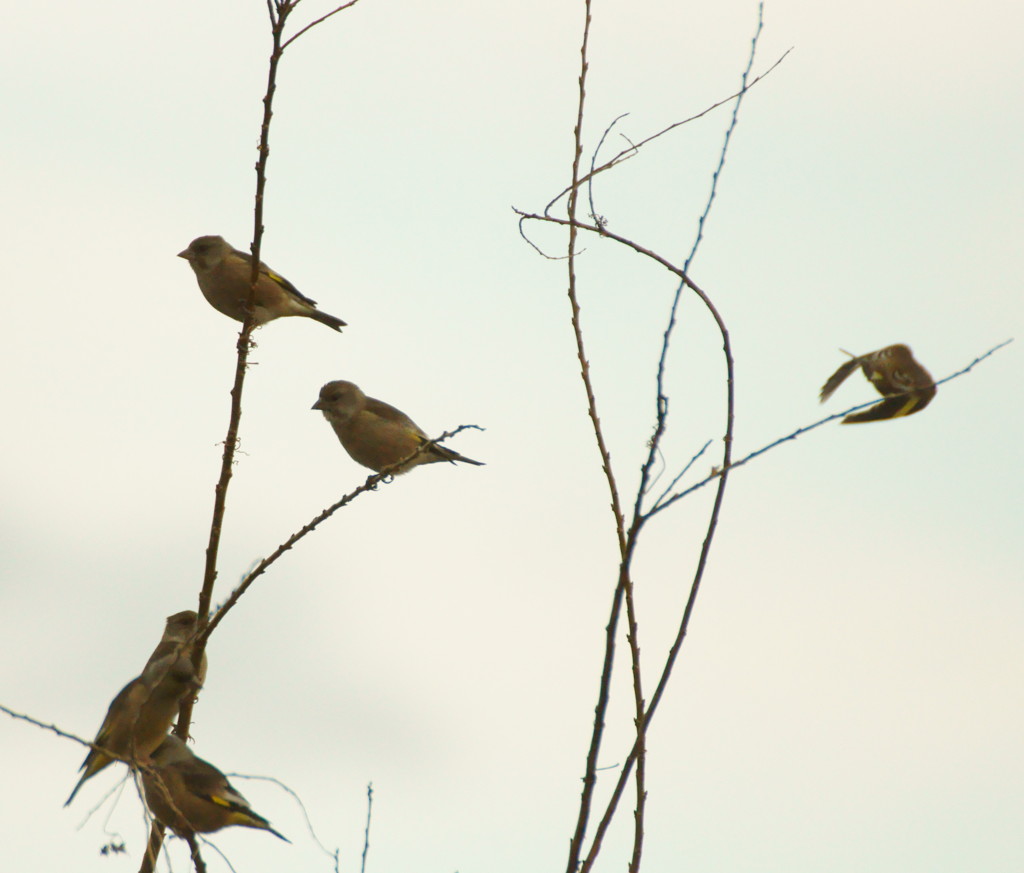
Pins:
x,y
371,483
664,501
366,833
54,729
320,20
634,148
197,858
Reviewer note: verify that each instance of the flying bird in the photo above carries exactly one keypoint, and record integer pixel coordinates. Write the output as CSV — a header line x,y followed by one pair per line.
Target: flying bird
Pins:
x,y
906,385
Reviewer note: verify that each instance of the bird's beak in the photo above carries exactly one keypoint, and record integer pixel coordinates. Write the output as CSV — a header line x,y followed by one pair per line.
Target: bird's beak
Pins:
x,y
185,254
318,405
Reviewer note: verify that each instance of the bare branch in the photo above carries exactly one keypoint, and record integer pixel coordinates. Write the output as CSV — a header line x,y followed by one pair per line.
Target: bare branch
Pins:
x,y
52,727
302,808
590,176
683,472
385,476
197,858
321,19
643,718
278,12
366,833
634,148
590,775
663,503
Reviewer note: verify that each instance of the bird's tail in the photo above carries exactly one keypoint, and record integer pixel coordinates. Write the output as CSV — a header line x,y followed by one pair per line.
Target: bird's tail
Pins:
x,y
894,406
331,321
452,456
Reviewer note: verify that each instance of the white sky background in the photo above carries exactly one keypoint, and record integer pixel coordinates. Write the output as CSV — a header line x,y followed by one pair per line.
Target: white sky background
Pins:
x,y
851,694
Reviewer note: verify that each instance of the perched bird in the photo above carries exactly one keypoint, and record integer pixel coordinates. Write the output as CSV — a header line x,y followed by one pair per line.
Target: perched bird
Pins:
x,y
188,795
178,632
375,434
907,386
140,716
225,275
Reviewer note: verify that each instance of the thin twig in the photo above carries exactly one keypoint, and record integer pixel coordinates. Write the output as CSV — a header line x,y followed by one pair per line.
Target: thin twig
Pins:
x,y
590,777
384,476
663,503
217,849
638,753
684,471
366,833
278,12
321,19
593,161
197,858
56,730
634,148
302,808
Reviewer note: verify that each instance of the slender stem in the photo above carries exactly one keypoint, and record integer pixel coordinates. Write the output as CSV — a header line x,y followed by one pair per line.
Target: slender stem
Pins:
x,y
639,720
366,833
590,773
386,476
243,346
320,20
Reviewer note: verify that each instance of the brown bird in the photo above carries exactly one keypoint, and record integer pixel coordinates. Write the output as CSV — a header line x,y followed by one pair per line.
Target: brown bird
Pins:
x,y
140,716
189,795
178,632
907,386
225,275
376,434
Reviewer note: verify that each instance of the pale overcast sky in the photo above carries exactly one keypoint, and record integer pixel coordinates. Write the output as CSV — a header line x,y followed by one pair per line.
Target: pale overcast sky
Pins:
x,y
851,694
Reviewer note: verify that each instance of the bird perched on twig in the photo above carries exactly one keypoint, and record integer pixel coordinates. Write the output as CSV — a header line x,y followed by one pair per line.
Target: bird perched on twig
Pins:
x,y
189,795
225,277
141,714
376,434
178,633
907,386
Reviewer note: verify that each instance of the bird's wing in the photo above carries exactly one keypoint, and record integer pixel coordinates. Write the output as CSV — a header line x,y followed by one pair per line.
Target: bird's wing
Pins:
x,y
837,378
275,277
388,413
894,406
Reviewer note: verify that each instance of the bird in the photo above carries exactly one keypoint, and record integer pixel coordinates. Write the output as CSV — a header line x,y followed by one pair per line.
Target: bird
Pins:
x,y
906,385
225,277
180,629
190,795
140,715
376,434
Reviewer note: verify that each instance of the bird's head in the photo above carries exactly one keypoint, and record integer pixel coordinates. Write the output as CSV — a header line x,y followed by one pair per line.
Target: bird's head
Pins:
x,y
340,401
206,252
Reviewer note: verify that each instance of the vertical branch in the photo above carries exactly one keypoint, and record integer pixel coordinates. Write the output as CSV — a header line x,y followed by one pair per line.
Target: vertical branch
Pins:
x,y
366,833
156,840
662,399
639,720
278,11
197,859
623,589
243,346
590,773
636,753
625,584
